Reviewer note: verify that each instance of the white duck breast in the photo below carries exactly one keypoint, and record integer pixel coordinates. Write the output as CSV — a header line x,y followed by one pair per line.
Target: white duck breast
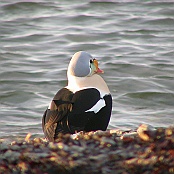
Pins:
x,y
84,105
79,83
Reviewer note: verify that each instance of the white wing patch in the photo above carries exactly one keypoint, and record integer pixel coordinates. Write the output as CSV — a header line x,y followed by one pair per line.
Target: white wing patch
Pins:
x,y
99,105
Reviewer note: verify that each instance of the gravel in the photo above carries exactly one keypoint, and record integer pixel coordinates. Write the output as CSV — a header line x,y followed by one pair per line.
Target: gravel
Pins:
x,y
145,151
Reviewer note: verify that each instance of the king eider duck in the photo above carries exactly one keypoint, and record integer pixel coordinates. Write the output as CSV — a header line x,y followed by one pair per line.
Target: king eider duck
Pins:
x,y
85,104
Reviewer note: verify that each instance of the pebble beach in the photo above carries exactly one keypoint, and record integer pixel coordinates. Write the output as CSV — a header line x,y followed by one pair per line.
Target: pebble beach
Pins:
x,y
146,150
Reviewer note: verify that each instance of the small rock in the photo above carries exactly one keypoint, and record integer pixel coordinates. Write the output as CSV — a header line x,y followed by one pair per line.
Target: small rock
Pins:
x,y
146,132
11,156
3,146
105,140
128,136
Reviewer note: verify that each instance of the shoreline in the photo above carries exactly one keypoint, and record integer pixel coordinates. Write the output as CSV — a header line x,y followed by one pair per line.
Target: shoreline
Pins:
x,y
146,150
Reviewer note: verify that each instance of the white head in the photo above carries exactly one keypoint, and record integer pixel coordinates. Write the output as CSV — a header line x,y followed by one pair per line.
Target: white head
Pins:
x,y
83,64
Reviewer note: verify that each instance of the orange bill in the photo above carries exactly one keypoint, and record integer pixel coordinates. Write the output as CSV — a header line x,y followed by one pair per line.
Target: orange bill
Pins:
x,y
98,70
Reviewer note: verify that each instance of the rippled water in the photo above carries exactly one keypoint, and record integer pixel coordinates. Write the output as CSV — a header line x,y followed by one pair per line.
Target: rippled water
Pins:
x,y
133,40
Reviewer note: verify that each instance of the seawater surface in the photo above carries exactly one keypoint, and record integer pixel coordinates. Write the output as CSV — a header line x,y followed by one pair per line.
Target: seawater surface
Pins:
x,y
133,41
